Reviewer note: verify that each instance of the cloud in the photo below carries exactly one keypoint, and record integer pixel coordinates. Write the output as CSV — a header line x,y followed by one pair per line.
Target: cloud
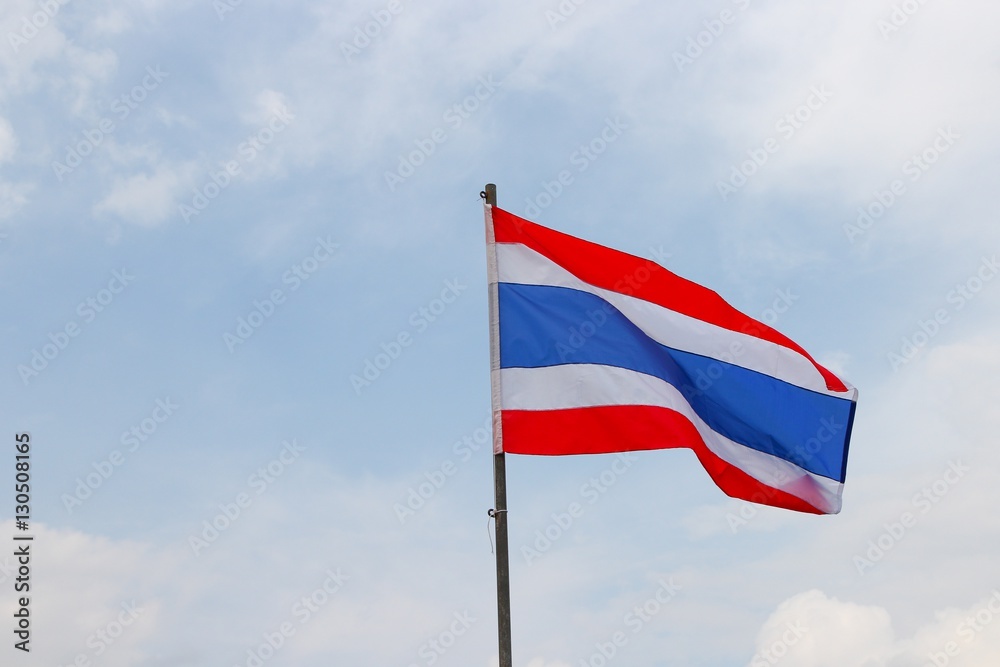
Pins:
x,y
968,637
8,142
879,106
147,199
813,630
541,662
12,197
116,21
36,53
89,595
266,105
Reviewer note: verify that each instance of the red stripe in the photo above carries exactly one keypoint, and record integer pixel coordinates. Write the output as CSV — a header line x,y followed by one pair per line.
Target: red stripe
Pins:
x,y
621,272
627,428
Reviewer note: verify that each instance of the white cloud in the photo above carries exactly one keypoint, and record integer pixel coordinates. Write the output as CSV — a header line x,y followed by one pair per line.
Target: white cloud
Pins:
x,y
881,111
8,141
813,630
114,22
267,104
44,56
541,662
13,197
79,586
147,199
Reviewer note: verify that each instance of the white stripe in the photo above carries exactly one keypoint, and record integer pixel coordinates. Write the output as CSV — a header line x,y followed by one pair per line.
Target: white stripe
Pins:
x,y
591,385
494,308
517,263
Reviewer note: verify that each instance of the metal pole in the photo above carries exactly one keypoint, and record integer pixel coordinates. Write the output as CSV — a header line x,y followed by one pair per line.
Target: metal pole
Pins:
x,y
503,560
500,517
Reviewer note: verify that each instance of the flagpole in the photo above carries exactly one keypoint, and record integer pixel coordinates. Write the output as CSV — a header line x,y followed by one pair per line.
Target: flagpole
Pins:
x,y
500,517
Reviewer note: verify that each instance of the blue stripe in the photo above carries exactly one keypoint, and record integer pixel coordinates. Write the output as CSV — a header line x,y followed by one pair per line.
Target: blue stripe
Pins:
x,y
550,326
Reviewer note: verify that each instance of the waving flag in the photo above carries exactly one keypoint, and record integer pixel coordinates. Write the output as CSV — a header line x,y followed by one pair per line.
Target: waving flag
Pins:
x,y
597,351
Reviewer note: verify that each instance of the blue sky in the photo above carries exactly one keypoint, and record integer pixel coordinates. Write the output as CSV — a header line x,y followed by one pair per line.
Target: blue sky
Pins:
x,y
168,169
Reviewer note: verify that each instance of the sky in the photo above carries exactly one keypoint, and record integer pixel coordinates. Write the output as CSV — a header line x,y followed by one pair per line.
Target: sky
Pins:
x,y
243,275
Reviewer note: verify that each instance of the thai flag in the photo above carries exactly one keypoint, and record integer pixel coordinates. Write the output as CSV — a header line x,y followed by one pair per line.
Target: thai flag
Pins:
x,y
597,351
